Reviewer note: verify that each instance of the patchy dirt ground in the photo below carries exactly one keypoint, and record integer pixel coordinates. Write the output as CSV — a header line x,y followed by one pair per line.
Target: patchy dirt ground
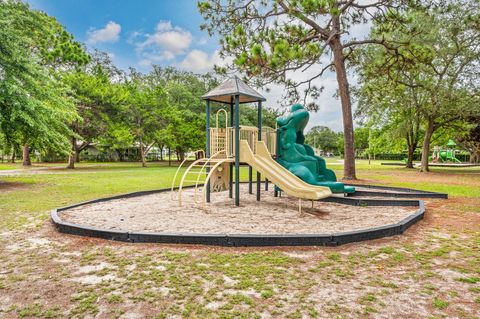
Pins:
x,y
12,186
431,271
272,215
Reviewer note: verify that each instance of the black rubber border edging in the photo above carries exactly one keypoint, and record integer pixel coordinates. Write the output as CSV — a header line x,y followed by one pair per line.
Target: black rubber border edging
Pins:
x,y
403,192
252,239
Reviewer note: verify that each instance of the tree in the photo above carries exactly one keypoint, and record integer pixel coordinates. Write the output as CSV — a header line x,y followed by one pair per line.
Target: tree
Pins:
x,y
469,138
322,137
361,138
95,95
384,103
34,105
183,120
142,112
437,70
271,40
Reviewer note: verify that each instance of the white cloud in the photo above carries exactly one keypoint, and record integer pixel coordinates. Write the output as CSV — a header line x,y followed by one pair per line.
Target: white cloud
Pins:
x,y
166,43
199,61
202,41
329,112
110,33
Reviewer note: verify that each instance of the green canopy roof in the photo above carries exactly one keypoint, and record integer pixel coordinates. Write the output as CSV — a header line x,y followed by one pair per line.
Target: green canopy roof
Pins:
x,y
451,143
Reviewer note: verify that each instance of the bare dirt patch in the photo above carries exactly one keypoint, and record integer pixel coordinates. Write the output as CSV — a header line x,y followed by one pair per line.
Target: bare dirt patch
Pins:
x,y
158,213
12,186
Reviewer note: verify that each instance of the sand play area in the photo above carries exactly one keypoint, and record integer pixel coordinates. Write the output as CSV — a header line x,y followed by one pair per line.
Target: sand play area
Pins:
x,y
158,213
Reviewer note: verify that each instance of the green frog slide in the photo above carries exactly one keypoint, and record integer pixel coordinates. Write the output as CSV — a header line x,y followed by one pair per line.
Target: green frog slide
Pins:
x,y
279,175
298,157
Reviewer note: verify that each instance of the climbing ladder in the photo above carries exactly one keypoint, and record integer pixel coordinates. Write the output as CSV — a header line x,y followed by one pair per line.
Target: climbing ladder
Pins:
x,y
203,167
199,154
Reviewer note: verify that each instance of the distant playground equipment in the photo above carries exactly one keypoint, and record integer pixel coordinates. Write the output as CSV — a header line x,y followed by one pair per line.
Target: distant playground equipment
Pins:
x,y
441,157
444,155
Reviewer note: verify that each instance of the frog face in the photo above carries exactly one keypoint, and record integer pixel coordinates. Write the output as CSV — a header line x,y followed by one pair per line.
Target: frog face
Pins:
x,y
298,118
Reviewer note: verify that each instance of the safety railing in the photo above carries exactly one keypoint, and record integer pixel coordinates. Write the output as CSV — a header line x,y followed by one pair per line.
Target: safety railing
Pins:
x,y
269,136
219,140
223,139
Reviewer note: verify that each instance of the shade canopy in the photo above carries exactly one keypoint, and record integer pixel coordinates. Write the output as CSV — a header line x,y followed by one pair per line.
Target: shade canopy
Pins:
x,y
230,88
451,143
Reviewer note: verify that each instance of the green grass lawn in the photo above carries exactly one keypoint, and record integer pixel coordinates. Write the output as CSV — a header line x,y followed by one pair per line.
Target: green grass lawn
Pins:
x,y
9,166
35,194
432,271
27,199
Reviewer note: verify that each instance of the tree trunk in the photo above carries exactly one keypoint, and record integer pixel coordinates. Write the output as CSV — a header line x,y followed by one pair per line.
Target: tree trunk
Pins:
x,y
412,142
411,146
26,156
169,157
142,154
161,153
13,155
474,156
79,149
426,146
77,155
344,91
411,150
71,156
119,154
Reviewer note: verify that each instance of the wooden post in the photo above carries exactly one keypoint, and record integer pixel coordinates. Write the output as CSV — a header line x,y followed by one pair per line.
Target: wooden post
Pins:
x,y
207,147
277,155
250,180
237,151
230,190
259,125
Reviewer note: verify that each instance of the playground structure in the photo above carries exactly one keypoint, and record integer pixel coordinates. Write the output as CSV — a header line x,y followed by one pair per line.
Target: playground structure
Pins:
x,y
445,155
297,171
280,156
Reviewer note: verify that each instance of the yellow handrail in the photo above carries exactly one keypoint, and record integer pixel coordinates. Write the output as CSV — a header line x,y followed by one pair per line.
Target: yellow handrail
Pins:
x,y
226,117
186,173
249,133
201,170
179,167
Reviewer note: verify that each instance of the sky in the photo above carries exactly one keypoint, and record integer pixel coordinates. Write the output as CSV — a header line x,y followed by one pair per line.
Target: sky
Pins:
x,y
167,32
